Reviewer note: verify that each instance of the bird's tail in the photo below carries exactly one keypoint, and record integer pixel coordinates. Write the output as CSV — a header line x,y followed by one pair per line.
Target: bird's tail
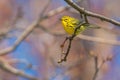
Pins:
x,y
93,26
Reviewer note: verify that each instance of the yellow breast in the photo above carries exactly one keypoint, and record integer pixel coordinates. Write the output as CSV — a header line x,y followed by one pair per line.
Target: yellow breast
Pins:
x,y
70,25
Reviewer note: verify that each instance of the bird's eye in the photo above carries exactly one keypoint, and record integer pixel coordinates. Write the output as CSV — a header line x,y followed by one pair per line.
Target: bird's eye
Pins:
x,y
65,20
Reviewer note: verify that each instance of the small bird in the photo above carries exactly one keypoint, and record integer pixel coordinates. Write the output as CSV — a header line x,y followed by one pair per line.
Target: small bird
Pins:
x,y
70,24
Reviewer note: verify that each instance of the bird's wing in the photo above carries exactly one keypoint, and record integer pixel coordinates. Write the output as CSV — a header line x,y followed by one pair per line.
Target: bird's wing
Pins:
x,y
75,22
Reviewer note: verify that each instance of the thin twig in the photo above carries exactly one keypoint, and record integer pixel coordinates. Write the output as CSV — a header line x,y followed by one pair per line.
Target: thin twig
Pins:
x,y
96,67
70,42
68,49
44,9
85,17
24,61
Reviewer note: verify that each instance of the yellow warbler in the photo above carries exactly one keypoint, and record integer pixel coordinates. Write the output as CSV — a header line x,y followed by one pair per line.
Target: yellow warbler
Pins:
x,y
70,24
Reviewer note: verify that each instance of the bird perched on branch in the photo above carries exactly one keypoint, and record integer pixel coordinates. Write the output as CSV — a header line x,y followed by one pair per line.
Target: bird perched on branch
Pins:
x,y
70,24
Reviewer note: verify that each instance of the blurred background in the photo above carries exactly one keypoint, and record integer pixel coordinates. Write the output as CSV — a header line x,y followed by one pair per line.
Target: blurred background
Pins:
x,y
39,53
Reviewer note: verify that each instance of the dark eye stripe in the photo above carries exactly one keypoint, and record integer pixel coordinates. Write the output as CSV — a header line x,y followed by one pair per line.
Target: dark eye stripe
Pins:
x,y
70,26
65,20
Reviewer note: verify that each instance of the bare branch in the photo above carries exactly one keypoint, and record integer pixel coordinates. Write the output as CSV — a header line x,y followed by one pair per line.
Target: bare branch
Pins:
x,y
56,11
5,66
85,37
88,13
24,61
70,42
100,40
96,68
29,29
44,9
20,39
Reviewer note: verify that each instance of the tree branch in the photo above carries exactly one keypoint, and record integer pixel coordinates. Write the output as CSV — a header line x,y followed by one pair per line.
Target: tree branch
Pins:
x,y
88,13
5,66
29,29
70,38
96,68
97,39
